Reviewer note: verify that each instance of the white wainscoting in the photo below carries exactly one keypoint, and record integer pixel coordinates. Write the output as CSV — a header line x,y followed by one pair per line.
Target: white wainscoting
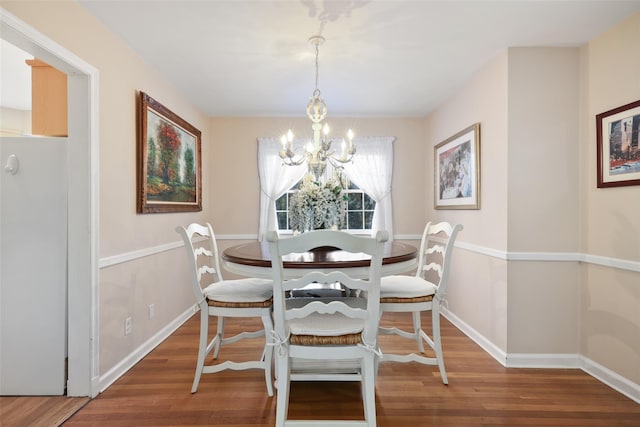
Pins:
x,y
138,354
575,361
549,361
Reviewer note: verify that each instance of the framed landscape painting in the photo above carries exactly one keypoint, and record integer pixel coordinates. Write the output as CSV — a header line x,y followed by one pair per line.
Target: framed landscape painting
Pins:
x,y
457,170
169,160
618,138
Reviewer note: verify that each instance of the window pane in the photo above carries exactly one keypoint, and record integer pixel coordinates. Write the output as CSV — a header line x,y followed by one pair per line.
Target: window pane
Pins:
x,y
355,202
281,203
282,220
368,220
355,220
369,203
359,208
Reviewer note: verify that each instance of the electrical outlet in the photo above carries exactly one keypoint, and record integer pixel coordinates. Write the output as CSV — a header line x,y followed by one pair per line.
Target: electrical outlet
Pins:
x,y
127,326
152,311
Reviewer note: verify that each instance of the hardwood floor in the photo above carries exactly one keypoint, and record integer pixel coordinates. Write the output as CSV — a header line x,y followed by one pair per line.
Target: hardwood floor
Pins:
x,y
156,392
38,411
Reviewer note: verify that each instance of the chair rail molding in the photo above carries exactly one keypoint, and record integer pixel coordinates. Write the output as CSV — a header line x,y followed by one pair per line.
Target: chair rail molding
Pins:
x,y
622,264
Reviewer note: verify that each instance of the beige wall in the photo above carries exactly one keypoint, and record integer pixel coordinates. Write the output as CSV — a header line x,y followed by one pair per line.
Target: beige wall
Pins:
x,y
543,192
543,199
483,99
543,308
477,294
610,305
127,287
14,122
235,186
487,288
528,276
121,74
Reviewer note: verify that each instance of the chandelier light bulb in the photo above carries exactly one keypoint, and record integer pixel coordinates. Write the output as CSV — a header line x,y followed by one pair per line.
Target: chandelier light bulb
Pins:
x,y
309,147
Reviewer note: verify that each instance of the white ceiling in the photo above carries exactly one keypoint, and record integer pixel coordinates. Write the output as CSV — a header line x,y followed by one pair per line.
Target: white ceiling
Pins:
x,y
381,58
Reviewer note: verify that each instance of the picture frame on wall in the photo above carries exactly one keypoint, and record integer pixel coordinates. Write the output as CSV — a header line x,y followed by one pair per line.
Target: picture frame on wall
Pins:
x,y
618,139
169,177
457,170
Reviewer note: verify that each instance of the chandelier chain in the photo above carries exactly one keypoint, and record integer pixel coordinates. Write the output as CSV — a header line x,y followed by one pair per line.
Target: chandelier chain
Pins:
x,y
316,91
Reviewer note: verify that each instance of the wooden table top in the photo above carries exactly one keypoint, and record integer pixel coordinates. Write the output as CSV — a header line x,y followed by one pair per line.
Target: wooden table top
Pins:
x,y
257,254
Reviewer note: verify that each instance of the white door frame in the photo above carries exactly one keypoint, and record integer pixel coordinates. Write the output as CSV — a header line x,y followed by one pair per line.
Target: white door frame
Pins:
x,y
83,198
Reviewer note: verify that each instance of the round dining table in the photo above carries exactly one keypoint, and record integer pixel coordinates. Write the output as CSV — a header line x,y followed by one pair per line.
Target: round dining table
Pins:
x,y
253,260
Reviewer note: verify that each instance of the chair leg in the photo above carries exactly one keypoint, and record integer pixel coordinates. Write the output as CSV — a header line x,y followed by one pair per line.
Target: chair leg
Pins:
x,y
220,335
202,347
437,343
282,384
267,355
417,327
368,389
376,362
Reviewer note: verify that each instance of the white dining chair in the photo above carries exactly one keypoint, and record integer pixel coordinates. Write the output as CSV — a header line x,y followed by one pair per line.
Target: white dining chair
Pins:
x,y
247,297
326,330
423,292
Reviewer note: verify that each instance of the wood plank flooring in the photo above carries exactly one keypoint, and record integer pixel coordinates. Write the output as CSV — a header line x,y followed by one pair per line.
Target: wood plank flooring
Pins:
x,y
38,411
156,392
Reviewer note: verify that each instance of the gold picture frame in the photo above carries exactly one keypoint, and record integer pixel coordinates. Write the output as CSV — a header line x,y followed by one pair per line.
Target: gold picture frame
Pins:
x,y
169,160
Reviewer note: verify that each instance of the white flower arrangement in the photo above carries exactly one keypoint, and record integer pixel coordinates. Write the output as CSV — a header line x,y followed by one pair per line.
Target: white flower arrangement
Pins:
x,y
318,205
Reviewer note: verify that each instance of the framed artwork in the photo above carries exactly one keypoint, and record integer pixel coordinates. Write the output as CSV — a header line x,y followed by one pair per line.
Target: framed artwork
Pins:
x,y
169,160
457,170
618,135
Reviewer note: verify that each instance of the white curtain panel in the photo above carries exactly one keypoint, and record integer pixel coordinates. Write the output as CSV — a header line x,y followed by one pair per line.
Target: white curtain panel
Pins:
x,y
372,171
275,180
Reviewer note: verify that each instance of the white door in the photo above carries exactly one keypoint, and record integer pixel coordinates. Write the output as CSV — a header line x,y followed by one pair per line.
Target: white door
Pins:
x,y
33,266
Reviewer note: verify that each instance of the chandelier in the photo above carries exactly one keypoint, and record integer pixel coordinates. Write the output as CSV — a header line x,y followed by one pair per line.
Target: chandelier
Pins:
x,y
317,152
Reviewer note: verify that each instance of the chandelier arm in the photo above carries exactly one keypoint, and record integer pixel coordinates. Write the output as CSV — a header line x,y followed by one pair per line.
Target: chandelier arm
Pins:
x,y
346,160
287,158
290,162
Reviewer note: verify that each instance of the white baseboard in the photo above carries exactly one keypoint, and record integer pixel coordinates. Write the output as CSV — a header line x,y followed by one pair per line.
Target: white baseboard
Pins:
x,y
476,337
549,361
128,362
612,379
536,360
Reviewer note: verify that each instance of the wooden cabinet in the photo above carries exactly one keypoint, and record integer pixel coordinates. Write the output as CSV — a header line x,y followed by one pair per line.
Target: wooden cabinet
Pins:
x,y
48,99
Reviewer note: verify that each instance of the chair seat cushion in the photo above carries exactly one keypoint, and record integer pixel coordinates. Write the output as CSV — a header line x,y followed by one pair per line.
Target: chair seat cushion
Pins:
x,y
326,325
405,287
349,339
240,290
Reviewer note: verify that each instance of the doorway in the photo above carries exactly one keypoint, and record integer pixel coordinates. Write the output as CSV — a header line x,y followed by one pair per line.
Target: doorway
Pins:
x,y
82,201
33,263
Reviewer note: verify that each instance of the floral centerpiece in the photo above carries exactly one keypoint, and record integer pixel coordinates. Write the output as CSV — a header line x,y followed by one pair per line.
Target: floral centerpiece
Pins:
x,y
318,205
